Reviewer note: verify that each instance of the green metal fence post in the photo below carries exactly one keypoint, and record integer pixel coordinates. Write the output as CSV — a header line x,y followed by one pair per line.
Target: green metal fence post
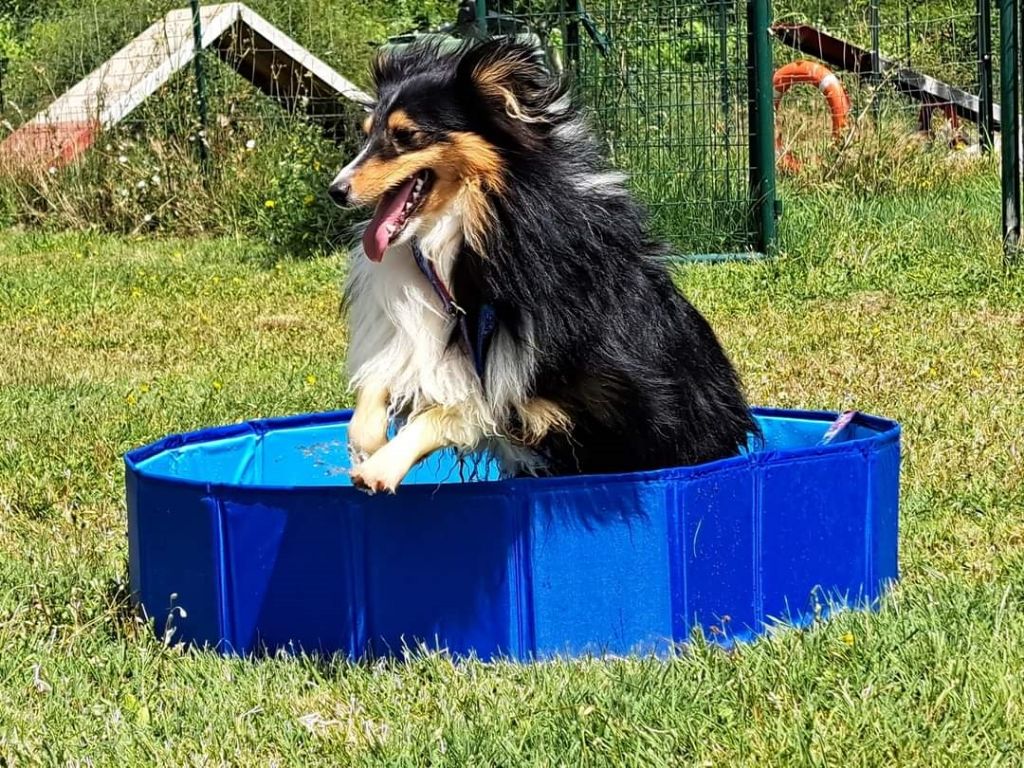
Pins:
x,y
1009,45
481,17
906,34
762,123
197,59
571,44
876,56
725,95
984,35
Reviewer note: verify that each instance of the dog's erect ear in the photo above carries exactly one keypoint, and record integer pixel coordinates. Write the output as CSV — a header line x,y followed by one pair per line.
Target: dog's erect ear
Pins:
x,y
512,78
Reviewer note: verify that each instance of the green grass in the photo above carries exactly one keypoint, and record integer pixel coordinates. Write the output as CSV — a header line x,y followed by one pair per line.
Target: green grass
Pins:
x,y
897,305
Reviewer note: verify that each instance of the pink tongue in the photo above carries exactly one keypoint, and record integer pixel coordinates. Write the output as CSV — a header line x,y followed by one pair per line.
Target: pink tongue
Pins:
x,y
385,218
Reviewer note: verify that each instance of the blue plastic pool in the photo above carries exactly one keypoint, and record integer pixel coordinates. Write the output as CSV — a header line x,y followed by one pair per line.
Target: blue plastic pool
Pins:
x,y
249,538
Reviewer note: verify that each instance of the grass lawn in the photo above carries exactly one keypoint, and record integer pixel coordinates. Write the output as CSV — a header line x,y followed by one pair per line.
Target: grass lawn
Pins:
x,y
894,305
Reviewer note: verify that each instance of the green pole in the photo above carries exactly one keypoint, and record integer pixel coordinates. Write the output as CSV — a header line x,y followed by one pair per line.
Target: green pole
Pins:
x,y
906,33
761,123
985,73
197,60
572,35
1009,115
876,56
724,89
481,17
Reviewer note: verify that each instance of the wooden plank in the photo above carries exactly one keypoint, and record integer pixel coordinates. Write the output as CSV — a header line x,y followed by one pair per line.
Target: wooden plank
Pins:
x,y
272,61
111,91
40,145
293,77
324,78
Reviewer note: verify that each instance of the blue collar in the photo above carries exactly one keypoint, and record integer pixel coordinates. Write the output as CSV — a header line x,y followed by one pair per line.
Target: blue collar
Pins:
x,y
476,344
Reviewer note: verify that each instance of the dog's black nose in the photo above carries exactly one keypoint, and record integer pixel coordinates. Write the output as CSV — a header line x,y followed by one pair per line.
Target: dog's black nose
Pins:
x,y
339,192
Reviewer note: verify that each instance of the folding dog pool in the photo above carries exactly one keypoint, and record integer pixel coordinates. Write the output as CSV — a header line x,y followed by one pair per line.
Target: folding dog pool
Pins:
x,y
250,538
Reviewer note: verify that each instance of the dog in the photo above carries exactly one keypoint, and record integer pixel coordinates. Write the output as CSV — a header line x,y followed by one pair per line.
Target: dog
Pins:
x,y
507,297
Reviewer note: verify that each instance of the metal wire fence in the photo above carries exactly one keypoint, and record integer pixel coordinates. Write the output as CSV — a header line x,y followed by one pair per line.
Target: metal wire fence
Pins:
x,y
678,90
913,73
668,85
272,136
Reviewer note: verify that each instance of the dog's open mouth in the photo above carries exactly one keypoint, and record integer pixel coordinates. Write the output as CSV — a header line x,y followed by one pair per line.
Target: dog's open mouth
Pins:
x,y
394,210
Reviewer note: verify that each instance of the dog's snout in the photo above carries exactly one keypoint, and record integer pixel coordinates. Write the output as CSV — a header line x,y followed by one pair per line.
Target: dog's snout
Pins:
x,y
339,191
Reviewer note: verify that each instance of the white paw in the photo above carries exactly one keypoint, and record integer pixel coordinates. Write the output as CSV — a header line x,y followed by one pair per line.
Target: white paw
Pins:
x,y
371,476
356,456
367,434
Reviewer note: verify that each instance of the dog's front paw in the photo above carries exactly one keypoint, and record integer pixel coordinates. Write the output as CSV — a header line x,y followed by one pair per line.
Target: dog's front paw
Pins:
x,y
367,432
355,456
371,477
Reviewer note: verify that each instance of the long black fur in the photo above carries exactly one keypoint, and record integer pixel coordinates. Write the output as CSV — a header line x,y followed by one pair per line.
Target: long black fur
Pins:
x,y
636,367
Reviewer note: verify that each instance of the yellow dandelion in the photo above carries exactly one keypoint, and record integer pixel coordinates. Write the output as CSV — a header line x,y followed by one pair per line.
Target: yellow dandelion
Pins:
x,y
847,638
130,399
218,385
309,199
269,203
310,380
143,388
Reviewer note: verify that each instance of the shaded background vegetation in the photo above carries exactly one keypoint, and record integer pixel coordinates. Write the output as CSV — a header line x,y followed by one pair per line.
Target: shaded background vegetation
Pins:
x,y
270,168
686,151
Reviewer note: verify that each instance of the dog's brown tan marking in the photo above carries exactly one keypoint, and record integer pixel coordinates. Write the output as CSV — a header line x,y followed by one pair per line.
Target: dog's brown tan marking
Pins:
x,y
400,120
469,167
437,427
477,216
475,157
496,79
540,416
377,175
367,124
493,78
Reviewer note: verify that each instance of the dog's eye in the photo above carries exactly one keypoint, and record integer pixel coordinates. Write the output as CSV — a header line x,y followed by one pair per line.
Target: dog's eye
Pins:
x,y
405,136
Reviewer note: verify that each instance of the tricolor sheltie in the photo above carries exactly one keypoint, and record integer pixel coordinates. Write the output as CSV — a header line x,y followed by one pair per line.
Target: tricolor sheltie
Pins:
x,y
507,296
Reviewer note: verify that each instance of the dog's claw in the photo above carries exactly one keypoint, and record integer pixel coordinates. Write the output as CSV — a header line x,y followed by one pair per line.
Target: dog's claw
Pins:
x,y
360,484
370,485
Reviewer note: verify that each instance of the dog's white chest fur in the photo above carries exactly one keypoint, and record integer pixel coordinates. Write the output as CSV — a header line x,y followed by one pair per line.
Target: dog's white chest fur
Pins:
x,y
399,336
399,343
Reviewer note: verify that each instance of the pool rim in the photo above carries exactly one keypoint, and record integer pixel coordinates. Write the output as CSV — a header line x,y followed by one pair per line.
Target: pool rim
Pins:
x,y
884,431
